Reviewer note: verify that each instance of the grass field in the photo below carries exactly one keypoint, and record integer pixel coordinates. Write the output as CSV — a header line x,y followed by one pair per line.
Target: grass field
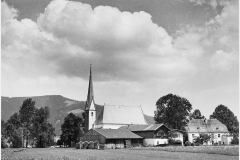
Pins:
x,y
118,154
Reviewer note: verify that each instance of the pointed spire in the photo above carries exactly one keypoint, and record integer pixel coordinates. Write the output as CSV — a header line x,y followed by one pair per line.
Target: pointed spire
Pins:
x,y
90,95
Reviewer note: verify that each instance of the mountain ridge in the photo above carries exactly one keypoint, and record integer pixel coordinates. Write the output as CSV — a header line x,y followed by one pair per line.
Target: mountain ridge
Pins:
x,y
59,107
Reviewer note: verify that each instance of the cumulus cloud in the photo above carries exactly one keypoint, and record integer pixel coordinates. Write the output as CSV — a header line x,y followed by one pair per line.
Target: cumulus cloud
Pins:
x,y
69,36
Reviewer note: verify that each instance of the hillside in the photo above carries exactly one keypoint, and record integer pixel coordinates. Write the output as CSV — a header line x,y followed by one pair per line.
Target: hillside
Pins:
x,y
59,107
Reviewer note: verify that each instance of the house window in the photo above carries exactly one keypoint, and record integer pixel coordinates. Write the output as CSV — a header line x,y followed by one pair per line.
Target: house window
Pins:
x,y
218,135
192,135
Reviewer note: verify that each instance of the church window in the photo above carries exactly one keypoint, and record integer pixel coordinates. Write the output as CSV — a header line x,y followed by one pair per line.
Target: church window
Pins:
x,y
91,113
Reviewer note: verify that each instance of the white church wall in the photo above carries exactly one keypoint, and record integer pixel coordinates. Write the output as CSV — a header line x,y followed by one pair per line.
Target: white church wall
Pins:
x,y
91,118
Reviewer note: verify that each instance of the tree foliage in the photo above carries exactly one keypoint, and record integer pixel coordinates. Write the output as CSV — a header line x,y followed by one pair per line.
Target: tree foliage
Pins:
x,y
26,115
12,132
173,111
196,114
203,138
42,129
227,117
71,129
29,123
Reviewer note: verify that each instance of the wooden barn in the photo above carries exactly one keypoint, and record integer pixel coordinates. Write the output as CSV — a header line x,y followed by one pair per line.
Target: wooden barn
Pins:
x,y
153,134
112,138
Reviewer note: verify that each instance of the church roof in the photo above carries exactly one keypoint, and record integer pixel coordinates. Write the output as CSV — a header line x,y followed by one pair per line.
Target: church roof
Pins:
x,y
90,95
117,134
119,114
203,126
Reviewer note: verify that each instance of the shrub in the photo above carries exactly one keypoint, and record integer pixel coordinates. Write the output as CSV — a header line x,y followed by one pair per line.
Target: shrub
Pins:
x,y
91,145
187,143
85,145
203,138
235,140
78,145
175,142
96,145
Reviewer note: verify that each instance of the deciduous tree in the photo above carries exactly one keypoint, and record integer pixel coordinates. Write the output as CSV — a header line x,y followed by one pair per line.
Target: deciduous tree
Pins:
x,y
26,114
227,117
71,129
173,111
196,114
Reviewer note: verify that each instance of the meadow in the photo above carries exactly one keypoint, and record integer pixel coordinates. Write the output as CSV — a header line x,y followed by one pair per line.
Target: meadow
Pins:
x,y
156,153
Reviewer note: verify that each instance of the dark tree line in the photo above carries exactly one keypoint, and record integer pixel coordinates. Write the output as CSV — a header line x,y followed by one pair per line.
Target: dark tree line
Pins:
x,y
29,125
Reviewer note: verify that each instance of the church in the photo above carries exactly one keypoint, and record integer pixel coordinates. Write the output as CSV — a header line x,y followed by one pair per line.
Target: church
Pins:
x,y
111,116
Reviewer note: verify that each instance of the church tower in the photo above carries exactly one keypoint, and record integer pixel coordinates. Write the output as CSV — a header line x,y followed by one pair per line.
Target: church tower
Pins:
x,y
90,111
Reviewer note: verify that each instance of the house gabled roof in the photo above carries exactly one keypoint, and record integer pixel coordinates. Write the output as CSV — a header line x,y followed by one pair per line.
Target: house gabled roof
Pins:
x,y
151,127
206,126
119,114
117,133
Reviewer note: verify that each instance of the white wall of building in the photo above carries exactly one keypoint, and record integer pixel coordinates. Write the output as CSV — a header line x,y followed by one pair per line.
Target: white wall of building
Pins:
x,y
91,116
215,137
226,140
109,126
154,141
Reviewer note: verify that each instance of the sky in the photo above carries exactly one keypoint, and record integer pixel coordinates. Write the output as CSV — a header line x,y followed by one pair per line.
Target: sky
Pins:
x,y
139,50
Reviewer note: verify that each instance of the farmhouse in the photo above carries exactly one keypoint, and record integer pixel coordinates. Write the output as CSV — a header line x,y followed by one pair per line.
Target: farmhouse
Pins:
x,y
153,134
112,138
215,129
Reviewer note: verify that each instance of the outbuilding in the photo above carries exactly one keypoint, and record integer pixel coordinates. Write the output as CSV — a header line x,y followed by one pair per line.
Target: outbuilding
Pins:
x,y
153,134
112,138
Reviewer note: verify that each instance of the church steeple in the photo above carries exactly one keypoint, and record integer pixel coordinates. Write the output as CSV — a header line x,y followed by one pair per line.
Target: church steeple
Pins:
x,y
90,110
90,95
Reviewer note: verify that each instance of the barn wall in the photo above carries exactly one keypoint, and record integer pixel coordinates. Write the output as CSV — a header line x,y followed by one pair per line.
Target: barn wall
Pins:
x,y
162,129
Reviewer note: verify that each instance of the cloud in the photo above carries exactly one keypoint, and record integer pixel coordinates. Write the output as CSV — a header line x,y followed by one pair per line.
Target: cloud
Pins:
x,y
69,36
212,3
130,54
124,46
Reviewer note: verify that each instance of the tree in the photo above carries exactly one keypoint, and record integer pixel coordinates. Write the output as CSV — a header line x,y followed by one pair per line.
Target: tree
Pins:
x,y
13,132
203,138
29,124
173,111
26,114
196,115
42,130
3,135
71,129
227,117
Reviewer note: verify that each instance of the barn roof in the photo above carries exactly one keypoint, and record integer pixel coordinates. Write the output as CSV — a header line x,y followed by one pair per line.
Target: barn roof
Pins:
x,y
203,126
119,114
151,127
117,133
